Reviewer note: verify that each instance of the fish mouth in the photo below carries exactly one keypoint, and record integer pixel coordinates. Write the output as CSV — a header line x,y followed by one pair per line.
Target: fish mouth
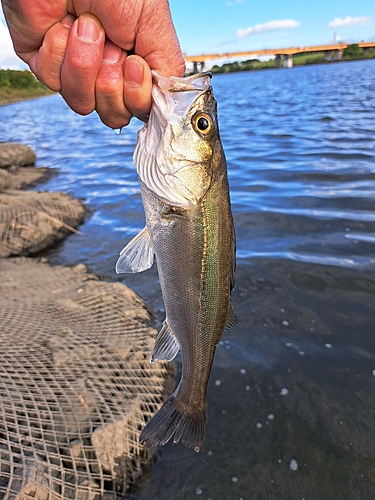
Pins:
x,y
198,81
174,96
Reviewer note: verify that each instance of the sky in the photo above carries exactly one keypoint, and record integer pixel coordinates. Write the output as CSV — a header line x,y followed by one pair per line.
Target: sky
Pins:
x,y
217,26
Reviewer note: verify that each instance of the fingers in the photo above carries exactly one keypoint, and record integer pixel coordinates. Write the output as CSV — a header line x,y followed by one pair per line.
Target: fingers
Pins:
x,y
137,86
93,74
82,62
123,87
29,21
109,88
47,62
68,52
145,26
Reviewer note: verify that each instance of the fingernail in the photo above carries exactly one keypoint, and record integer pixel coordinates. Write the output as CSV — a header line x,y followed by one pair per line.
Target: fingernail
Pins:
x,y
67,21
111,54
133,73
87,30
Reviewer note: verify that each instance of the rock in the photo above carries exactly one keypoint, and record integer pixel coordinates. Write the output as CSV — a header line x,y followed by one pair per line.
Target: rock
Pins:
x,y
33,221
16,155
71,429
21,177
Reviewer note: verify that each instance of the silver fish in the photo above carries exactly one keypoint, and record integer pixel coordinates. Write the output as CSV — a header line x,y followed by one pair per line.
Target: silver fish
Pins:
x,y
189,228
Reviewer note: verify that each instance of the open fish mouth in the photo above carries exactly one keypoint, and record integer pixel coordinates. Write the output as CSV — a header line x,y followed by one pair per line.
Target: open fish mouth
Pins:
x,y
189,88
171,157
198,81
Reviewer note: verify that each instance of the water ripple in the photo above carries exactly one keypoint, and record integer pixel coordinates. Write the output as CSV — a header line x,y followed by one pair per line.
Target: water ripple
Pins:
x,y
299,148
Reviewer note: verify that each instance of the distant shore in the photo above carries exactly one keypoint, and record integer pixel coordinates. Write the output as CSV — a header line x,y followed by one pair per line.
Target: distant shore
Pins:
x,y
16,86
16,96
20,86
351,53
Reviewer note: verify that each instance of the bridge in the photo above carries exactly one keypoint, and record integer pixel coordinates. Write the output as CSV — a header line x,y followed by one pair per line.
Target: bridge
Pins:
x,y
283,57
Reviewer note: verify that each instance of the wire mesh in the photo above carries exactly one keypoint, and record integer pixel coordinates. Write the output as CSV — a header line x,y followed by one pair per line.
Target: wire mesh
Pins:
x,y
31,221
16,154
76,384
20,177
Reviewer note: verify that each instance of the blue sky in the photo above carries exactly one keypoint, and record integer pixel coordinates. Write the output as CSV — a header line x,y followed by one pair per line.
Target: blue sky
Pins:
x,y
212,26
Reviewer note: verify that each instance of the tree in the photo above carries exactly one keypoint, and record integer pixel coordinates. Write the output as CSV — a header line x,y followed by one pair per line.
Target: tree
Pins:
x,y
353,51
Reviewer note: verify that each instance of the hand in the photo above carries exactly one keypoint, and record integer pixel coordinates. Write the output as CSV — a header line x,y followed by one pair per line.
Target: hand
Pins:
x,y
81,49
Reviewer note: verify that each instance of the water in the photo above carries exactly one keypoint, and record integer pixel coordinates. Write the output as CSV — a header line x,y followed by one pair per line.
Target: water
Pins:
x,y
291,395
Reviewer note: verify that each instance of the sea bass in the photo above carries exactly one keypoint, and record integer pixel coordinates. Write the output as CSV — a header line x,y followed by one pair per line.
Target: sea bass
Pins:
x,y
189,228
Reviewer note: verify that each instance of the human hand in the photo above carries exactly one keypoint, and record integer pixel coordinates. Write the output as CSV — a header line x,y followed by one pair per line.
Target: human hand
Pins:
x,y
81,49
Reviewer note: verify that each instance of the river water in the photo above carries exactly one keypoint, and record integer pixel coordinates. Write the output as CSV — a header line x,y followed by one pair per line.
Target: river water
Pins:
x,y
291,398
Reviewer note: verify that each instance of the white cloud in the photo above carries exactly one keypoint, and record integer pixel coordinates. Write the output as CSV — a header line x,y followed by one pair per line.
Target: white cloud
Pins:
x,y
338,22
8,58
230,4
270,26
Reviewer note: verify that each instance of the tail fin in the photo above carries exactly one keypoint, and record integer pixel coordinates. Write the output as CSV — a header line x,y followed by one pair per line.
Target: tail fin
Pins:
x,y
170,421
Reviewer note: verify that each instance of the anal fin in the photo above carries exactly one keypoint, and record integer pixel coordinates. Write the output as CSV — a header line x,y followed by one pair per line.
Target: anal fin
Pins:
x,y
166,346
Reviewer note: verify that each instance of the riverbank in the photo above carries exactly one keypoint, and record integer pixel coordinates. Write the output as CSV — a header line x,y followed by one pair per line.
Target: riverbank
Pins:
x,y
18,86
67,335
24,95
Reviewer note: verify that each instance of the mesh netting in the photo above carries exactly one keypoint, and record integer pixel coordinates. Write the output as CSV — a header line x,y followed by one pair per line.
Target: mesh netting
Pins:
x,y
13,160
20,177
32,221
76,384
16,154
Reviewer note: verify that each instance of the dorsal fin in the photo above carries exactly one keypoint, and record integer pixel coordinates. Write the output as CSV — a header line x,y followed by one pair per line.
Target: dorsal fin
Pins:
x,y
231,318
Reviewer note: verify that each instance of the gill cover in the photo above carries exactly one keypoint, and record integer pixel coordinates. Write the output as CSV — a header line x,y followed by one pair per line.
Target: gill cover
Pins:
x,y
173,150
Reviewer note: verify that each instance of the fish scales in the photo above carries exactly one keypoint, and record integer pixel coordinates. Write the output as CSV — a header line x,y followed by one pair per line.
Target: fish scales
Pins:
x,y
189,228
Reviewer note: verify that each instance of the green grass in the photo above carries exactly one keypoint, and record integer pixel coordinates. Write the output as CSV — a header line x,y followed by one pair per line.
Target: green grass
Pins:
x,y
20,85
13,95
302,59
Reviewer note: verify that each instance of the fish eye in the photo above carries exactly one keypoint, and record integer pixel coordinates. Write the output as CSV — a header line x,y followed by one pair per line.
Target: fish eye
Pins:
x,y
203,124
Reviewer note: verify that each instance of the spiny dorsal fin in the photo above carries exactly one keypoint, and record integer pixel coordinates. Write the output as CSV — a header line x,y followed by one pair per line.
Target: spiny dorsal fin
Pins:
x,y
231,318
137,256
166,346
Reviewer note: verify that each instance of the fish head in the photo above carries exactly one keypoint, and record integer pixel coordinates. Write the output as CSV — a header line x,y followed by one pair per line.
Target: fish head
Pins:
x,y
175,149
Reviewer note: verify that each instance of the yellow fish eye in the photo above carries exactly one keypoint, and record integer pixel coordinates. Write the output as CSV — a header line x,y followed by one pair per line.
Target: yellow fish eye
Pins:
x,y
203,124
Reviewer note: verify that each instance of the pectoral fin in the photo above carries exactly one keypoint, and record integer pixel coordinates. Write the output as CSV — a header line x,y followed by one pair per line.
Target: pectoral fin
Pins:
x,y
166,346
137,256
231,318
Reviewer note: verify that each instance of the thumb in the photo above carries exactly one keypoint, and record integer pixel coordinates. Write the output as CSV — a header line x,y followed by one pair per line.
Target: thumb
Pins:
x,y
157,41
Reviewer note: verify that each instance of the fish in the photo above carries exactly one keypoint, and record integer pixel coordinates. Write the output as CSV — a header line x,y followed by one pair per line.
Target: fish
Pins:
x,y
189,230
